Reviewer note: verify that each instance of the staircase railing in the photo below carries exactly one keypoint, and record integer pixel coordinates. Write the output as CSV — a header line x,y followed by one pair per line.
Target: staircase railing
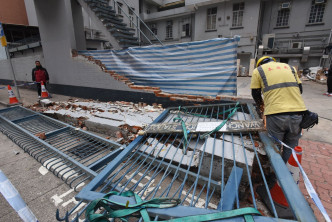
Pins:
x,y
138,21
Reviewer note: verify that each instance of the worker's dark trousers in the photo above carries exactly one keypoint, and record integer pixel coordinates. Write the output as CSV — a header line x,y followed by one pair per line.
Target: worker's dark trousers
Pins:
x,y
39,88
287,129
329,84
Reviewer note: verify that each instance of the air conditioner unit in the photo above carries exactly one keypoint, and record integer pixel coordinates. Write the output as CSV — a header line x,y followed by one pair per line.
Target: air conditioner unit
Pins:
x,y
285,5
319,1
296,45
183,34
268,41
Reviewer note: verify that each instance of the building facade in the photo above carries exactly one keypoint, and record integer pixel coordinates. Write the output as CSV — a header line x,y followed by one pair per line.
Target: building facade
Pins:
x,y
297,32
200,20
14,17
293,31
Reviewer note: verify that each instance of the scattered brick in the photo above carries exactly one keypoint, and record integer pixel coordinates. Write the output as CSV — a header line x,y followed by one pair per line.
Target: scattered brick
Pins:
x,y
163,94
41,136
119,134
74,53
137,87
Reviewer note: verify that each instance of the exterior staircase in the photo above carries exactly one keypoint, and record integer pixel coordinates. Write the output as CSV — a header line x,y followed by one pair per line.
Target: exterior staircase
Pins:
x,y
111,25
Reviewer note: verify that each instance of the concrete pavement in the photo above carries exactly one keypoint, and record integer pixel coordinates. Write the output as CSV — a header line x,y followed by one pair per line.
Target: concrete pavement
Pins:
x,y
42,191
317,163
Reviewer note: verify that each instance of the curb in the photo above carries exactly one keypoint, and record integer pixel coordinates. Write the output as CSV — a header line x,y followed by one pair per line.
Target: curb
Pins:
x,y
9,105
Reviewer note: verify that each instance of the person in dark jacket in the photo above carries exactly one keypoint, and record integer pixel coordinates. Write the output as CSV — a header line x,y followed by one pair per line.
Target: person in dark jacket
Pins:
x,y
329,82
39,74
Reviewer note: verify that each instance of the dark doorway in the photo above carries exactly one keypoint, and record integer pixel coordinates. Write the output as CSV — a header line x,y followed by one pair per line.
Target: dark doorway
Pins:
x,y
284,60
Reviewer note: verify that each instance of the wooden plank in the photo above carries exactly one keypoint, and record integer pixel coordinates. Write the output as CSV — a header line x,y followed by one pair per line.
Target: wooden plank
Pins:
x,y
231,126
238,67
252,66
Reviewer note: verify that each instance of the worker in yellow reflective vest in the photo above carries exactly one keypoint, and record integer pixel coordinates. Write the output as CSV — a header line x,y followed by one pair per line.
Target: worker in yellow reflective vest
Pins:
x,y
282,103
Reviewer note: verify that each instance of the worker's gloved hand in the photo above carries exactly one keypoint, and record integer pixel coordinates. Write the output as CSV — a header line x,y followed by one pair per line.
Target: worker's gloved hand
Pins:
x,y
260,111
264,121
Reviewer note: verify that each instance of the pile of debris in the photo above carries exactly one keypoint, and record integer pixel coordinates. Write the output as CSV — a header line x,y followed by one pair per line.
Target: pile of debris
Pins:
x,y
316,74
119,120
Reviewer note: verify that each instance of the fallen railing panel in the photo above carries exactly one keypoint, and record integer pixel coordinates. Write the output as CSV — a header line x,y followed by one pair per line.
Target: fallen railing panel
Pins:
x,y
208,174
74,155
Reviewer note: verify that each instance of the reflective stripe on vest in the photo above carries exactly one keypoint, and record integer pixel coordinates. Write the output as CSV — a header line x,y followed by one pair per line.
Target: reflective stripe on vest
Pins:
x,y
278,85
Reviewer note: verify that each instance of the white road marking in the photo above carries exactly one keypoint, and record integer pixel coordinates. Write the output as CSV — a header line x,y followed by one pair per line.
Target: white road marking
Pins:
x,y
59,199
200,203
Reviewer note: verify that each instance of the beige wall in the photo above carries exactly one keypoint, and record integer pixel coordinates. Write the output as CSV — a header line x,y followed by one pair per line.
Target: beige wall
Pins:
x,y
13,12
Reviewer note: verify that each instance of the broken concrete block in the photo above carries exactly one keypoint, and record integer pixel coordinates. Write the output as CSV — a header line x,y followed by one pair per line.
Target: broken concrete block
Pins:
x,y
219,149
45,102
176,155
135,129
154,147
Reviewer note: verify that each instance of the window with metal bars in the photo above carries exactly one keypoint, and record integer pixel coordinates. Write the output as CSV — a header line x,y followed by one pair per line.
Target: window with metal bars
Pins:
x,y
316,12
211,19
185,30
238,9
131,10
169,29
131,21
131,16
119,8
283,17
153,27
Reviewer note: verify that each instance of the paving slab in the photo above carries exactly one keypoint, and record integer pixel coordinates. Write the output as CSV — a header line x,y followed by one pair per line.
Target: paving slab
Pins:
x,y
317,163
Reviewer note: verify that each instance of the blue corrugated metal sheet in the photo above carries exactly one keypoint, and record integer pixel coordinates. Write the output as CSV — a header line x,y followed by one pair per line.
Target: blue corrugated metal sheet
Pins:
x,y
205,68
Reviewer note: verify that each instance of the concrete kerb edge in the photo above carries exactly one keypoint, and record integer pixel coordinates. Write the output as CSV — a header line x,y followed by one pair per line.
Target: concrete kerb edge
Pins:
x,y
9,105
92,126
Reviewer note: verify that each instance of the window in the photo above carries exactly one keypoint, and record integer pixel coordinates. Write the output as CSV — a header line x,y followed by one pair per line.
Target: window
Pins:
x,y
131,16
283,16
238,9
154,29
211,19
131,21
131,10
119,8
316,11
185,30
169,29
